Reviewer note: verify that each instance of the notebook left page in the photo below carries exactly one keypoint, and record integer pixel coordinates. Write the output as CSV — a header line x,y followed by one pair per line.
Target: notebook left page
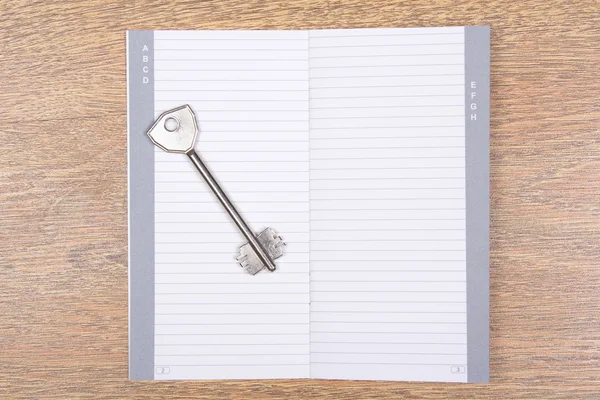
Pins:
x,y
194,313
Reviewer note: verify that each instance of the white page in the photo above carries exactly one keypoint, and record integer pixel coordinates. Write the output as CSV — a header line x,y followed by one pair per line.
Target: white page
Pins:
x,y
387,183
249,91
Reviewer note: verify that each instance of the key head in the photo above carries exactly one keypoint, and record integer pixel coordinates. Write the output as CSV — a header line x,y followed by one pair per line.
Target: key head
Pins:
x,y
175,130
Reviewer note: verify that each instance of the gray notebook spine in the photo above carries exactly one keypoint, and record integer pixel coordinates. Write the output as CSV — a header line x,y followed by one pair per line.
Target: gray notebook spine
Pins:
x,y
477,138
140,111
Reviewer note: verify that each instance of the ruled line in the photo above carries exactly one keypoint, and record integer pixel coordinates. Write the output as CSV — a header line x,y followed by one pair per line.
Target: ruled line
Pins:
x,y
372,56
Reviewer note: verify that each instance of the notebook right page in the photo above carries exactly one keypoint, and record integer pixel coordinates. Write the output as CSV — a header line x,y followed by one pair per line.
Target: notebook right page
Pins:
x,y
399,183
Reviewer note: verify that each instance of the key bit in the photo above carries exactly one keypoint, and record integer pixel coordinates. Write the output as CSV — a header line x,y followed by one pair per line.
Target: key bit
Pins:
x,y
270,241
175,131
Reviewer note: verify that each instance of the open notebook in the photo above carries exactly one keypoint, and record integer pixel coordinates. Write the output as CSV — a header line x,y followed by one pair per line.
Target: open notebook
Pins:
x,y
367,150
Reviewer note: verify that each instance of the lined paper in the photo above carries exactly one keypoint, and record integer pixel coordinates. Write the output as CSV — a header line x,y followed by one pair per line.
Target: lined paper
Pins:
x,y
351,145
249,91
387,204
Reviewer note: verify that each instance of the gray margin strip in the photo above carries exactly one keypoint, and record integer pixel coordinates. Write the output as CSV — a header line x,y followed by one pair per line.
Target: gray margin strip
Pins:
x,y
477,142
140,153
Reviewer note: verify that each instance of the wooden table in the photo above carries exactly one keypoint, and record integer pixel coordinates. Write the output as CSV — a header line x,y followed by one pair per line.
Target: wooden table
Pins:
x,y
63,197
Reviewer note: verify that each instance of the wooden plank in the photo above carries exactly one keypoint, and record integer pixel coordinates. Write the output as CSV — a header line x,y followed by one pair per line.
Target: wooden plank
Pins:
x,y
63,228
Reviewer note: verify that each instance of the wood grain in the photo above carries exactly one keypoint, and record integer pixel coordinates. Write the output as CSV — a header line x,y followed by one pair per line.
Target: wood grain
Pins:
x,y
63,197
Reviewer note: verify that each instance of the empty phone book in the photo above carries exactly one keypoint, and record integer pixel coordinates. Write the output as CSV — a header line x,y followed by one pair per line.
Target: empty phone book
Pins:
x,y
368,150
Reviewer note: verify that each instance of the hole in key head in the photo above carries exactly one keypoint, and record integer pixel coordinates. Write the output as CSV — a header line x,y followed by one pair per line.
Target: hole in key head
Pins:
x,y
171,124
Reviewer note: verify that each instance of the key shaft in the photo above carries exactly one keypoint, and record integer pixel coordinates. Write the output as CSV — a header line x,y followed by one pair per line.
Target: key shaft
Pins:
x,y
235,216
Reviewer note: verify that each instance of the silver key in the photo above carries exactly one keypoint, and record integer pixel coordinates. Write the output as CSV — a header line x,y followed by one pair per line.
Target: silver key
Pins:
x,y
175,131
